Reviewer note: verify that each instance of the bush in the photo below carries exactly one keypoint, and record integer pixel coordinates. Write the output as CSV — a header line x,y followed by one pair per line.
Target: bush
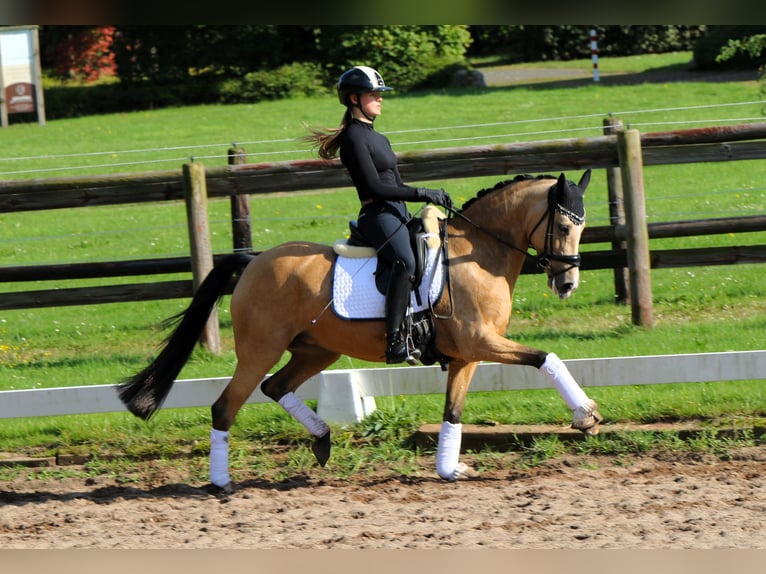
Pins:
x,y
753,46
291,80
407,57
709,47
77,100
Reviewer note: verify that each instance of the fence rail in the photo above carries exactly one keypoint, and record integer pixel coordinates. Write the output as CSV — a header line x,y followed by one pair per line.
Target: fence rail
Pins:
x,y
728,143
346,396
159,290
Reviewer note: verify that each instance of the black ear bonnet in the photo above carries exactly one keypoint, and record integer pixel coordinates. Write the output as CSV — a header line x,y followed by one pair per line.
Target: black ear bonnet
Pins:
x,y
567,197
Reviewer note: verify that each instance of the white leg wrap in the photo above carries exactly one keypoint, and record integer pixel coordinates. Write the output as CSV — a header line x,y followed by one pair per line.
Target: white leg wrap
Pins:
x,y
565,384
448,450
219,457
304,415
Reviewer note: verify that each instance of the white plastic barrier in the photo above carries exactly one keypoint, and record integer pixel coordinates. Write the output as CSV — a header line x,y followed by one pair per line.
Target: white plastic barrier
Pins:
x,y
348,395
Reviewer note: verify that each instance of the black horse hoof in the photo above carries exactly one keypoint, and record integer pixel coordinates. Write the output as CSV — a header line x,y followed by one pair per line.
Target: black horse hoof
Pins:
x,y
321,448
222,491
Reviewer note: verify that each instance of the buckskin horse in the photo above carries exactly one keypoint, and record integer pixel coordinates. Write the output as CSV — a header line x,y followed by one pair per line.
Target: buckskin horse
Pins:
x,y
281,295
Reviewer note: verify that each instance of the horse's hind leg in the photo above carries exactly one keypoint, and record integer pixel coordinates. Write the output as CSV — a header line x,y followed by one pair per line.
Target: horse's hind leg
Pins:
x,y
280,387
245,379
304,363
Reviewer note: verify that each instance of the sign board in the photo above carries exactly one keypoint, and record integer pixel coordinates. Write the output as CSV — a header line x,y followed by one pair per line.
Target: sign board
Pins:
x,y
20,76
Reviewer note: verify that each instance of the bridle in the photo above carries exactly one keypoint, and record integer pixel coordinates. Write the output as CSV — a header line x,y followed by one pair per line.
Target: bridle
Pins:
x,y
545,258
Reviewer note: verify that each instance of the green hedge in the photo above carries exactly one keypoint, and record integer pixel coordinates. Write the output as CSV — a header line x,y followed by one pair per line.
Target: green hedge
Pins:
x,y
75,101
536,43
292,80
408,57
710,45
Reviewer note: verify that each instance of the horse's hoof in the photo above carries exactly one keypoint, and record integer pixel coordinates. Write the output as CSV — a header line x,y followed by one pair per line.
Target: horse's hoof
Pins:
x,y
462,471
587,419
321,449
224,490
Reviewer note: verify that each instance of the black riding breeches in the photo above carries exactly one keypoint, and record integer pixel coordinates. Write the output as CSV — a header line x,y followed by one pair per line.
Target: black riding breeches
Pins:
x,y
384,225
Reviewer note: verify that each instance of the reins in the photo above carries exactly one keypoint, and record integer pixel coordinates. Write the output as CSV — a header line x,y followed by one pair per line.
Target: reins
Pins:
x,y
543,259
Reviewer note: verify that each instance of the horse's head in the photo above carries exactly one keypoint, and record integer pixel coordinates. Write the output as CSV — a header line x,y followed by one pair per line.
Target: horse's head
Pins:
x,y
557,242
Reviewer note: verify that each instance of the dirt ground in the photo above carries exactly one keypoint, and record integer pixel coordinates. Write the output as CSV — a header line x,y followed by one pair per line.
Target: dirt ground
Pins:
x,y
641,502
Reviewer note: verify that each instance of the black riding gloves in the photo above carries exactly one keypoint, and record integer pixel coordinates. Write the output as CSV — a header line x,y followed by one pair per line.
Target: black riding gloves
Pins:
x,y
435,196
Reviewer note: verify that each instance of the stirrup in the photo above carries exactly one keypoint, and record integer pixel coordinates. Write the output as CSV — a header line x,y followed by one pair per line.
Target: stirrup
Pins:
x,y
399,350
413,353
586,418
401,355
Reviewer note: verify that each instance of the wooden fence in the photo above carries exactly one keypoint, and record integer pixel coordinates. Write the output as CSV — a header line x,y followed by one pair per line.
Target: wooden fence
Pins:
x,y
612,151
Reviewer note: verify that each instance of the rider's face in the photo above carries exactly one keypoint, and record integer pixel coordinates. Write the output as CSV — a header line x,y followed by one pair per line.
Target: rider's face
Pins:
x,y
371,103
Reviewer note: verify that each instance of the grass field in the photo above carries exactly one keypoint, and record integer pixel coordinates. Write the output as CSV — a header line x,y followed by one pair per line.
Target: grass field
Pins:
x,y
696,309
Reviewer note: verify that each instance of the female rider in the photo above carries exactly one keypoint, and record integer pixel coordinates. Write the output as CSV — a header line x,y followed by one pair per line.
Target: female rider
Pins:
x,y
383,216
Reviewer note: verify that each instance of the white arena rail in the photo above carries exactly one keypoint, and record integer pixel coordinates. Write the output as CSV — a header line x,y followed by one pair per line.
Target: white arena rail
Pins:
x,y
348,395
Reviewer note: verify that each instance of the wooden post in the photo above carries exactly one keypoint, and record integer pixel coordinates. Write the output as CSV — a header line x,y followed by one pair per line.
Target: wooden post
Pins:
x,y
240,209
3,103
639,263
38,79
195,194
616,214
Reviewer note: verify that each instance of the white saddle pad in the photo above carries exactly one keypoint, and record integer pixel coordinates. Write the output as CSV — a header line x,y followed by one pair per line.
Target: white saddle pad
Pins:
x,y
356,297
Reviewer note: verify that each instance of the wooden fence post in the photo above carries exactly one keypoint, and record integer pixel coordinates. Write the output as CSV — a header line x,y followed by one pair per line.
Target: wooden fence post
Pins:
x,y
242,237
195,194
637,232
616,214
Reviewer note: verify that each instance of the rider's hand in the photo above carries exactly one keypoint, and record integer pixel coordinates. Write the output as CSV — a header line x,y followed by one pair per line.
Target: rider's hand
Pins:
x,y
435,196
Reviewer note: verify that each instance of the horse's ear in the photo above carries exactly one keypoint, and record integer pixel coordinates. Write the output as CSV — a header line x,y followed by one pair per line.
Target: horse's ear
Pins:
x,y
562,188
584,181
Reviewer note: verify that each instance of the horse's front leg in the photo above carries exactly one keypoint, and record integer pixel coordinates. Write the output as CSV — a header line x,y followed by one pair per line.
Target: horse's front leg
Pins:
x,y
448,465
585,415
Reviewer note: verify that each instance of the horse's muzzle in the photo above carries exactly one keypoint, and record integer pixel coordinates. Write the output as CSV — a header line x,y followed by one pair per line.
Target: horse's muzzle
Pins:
x,y
564,284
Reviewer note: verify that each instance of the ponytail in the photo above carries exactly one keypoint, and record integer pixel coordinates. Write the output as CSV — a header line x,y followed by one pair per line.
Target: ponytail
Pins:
x,y
326,141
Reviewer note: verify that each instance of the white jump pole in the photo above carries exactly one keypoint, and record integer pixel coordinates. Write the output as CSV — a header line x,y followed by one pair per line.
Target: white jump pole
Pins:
x,y
594,53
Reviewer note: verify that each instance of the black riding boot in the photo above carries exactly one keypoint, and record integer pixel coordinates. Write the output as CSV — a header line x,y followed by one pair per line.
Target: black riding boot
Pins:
x,y
397,299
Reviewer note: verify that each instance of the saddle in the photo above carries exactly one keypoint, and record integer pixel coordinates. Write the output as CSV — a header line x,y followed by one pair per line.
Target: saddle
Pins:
x,y
424,235
358,293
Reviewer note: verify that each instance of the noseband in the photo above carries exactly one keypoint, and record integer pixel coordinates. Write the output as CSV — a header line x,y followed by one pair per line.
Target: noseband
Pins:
x,y
545,258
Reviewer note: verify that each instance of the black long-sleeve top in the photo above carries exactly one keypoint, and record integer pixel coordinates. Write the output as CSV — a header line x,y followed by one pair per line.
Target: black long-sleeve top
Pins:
x,y
371,162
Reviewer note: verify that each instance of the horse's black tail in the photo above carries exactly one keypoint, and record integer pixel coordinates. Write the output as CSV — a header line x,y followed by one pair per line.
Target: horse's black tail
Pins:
x,y
144,392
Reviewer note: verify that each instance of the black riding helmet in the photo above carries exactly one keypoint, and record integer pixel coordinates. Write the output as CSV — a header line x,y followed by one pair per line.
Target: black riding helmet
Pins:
x,y
357,80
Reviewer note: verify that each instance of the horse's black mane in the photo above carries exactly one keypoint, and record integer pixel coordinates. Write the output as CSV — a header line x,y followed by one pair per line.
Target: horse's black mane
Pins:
x,y
517,179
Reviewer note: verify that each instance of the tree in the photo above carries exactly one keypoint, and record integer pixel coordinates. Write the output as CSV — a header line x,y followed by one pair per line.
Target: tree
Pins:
x,y
753,46
84,53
